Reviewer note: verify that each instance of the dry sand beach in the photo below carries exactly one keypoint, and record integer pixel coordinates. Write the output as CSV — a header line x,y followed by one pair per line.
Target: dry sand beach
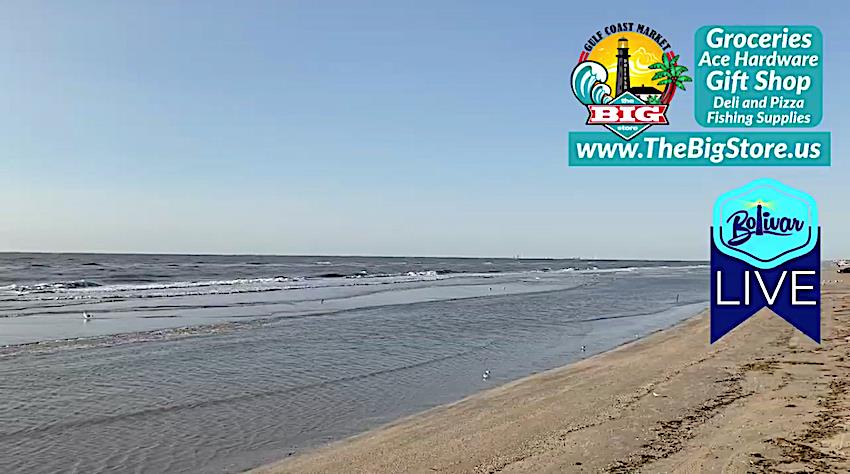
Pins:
x,y
763,399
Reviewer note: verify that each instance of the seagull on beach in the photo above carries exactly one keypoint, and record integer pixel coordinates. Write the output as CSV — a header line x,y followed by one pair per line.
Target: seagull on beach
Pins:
x,y
583,348
486,375
86,315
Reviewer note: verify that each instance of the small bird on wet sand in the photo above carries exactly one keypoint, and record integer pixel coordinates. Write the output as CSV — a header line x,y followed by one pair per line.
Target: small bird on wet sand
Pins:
x,y
86,315
583,348
486,375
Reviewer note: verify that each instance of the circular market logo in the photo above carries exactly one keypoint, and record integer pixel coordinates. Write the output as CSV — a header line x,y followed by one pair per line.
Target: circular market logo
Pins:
x,y
627,76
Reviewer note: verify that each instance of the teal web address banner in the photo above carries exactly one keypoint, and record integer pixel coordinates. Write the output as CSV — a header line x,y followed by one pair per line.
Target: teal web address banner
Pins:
x,y
743,148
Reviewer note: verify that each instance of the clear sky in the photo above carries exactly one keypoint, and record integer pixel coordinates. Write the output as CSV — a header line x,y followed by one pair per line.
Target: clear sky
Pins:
x,y
371,127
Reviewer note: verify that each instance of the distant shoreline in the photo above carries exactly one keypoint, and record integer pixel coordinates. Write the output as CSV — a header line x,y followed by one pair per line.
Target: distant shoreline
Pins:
x,y
309,255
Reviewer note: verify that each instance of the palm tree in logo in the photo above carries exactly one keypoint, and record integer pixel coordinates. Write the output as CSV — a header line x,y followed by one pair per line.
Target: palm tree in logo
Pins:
x,y
672,74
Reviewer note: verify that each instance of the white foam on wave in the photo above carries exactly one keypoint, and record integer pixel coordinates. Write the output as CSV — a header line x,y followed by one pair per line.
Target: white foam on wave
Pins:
x,y
82,289
62,291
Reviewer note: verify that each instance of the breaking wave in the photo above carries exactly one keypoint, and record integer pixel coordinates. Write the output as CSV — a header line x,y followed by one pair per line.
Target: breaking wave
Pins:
x,y
85,289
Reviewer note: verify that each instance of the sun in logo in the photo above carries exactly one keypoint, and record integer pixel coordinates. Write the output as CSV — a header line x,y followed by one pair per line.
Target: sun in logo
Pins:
x,y
636,77
635,63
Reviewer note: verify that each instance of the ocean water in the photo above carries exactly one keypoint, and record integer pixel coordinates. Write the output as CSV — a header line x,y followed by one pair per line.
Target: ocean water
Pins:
x,y
222,363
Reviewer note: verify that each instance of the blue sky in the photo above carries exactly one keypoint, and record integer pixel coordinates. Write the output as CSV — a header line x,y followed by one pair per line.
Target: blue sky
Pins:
x,y
383,128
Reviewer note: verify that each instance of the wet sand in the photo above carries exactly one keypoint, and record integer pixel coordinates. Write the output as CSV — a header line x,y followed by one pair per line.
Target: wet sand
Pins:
x,y
764,398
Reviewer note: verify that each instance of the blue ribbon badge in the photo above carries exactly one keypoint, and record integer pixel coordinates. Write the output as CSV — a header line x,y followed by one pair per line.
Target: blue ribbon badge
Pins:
x,y
765,252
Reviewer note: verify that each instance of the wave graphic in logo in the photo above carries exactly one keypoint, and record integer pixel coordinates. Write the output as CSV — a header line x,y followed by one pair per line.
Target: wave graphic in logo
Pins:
x,y
588,83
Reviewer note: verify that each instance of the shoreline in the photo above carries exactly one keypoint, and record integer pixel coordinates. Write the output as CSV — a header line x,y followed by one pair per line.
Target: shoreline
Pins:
x,y
762,398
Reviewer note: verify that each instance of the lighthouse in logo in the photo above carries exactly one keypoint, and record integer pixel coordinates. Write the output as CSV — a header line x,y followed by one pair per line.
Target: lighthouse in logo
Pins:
x,y
638,64
765,252
622,65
